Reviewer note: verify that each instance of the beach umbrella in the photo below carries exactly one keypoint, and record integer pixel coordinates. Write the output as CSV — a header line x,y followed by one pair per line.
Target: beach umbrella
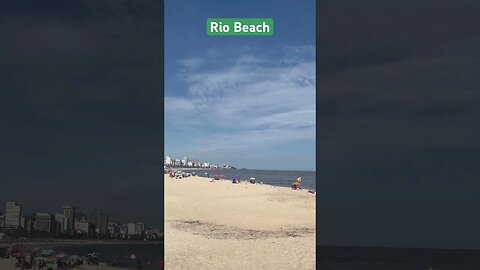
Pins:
x,y
131,256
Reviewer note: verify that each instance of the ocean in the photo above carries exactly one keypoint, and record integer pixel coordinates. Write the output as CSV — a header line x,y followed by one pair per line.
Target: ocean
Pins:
x,y
328,258
363,258
149,254
276,178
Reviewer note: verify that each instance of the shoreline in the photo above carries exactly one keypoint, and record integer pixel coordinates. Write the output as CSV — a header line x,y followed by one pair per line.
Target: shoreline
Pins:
x,y
241,181
9,264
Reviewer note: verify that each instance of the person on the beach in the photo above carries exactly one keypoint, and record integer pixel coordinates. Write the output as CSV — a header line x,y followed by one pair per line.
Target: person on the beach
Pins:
x,y
295,185
139,264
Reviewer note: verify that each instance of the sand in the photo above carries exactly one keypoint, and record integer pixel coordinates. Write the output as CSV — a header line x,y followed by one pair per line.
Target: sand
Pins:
x,y
9,264
222,225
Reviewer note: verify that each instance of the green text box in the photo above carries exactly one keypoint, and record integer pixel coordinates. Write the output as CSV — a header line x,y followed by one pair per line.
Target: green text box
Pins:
x,y
239,27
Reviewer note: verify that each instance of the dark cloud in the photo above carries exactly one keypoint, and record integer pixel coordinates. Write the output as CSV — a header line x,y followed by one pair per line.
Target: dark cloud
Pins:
x,y
398,123
81,106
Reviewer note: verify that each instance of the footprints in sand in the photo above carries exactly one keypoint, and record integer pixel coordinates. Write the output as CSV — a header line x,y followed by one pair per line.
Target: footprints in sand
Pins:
x,y
217,231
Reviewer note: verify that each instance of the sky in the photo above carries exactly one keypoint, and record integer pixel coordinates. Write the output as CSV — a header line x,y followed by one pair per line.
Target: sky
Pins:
x,y
81,107
244,101
398,123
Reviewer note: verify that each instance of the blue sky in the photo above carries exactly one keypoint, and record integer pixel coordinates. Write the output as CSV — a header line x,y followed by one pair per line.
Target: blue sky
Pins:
x,y
244,101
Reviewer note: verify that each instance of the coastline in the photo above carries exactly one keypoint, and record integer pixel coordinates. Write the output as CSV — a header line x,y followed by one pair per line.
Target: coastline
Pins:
x,y
278,178
9,264
44,243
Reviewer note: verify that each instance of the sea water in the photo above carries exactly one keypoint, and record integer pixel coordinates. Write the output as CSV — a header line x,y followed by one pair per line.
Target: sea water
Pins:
x,y
149,254
271,177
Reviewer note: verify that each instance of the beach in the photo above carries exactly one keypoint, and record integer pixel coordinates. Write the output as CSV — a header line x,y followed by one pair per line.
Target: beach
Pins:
x,y
221,225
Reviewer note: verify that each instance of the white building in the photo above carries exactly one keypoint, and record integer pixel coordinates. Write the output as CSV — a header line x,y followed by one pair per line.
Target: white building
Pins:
x,y
131,229
13,213
83,226
168,160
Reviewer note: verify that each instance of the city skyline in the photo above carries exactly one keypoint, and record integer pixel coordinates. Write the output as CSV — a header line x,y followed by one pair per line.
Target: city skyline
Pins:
x,y
194,163
69,221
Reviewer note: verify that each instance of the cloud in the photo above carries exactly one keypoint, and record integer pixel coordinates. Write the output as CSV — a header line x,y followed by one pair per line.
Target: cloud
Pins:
x,y
250,101
192,63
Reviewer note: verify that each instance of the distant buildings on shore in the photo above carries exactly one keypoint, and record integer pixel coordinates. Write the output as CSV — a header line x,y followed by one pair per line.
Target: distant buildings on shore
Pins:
x,y
70,223
186,162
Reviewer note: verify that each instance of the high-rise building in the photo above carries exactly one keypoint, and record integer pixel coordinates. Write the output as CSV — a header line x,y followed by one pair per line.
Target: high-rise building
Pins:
x,y
131,229
69,213
62,223
139,229
177,162
100,220
113,229
44,222
184,161
168,160
29,223
123,231
13,214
